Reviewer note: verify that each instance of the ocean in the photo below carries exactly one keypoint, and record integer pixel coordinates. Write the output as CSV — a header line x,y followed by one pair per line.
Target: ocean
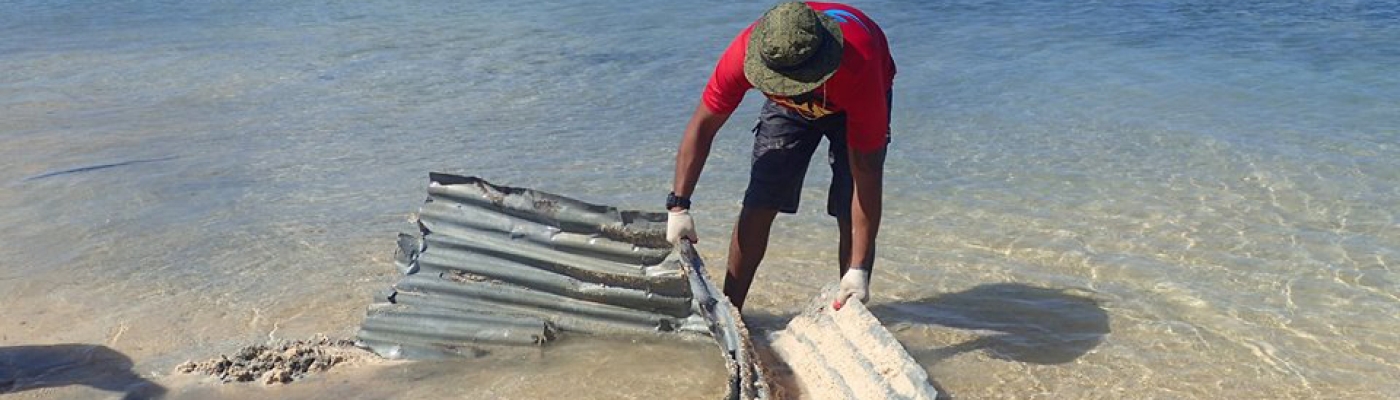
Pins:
x,y
1084,199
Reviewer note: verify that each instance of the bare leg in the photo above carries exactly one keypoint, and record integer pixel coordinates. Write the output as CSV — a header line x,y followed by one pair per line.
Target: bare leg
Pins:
x,y
844,253
746,249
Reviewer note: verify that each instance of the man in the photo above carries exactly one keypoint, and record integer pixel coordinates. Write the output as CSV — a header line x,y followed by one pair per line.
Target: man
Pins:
x,y
826,70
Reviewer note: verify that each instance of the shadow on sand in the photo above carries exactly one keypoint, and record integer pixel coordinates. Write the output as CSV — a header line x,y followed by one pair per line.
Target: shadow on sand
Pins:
x,y
36,367
1015,322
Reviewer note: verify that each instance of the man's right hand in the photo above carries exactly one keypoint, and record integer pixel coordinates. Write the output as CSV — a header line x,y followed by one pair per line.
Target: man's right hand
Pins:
x,y
679,225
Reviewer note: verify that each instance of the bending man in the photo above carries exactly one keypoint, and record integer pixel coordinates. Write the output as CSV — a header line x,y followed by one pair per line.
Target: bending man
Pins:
x,y
826,71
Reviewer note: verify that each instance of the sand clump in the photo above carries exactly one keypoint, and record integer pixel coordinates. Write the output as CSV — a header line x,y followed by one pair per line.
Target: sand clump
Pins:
x,y
280,362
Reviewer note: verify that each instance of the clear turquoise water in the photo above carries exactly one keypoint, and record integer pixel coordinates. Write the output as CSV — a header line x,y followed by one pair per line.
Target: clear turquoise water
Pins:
x,y
1218,180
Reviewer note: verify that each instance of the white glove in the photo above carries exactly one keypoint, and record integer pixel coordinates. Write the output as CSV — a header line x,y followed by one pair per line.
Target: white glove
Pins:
x,y
679,225
855,285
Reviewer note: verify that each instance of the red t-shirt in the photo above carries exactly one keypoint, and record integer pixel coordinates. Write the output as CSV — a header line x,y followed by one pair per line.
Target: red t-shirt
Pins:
x,y
859,87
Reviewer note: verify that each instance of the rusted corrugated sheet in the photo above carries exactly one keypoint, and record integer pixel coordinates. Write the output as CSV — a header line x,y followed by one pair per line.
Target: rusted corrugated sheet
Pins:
x,y
748,378
495,265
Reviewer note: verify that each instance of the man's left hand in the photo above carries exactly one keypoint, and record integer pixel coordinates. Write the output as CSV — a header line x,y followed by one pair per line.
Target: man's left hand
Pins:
x,y
855,285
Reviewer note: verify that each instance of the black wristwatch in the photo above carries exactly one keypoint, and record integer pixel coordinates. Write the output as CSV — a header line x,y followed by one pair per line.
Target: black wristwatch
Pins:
x,y
673,201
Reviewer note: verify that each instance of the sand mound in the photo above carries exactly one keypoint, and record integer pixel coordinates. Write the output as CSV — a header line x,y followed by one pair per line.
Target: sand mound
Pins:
x,y
280,362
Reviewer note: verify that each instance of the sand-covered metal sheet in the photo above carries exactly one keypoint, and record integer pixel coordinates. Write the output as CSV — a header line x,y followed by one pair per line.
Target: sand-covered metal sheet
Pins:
x,y
847,354
493,265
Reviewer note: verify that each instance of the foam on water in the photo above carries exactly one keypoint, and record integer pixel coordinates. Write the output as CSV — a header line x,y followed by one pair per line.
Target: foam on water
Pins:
x,y
1182,199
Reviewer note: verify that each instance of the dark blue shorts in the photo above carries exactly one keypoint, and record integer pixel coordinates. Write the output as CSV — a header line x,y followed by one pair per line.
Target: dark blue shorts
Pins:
x,y
783,145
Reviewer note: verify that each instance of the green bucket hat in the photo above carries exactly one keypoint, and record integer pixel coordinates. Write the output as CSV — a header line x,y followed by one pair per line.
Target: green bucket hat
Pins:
x,y
792,50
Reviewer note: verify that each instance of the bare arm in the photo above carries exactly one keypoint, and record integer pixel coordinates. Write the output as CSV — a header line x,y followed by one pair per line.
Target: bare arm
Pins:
x,y
695,148
867,172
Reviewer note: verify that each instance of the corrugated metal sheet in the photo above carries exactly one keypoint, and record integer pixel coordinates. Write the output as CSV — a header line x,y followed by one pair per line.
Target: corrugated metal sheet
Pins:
x,y
493,265
748,379
496,265
848,354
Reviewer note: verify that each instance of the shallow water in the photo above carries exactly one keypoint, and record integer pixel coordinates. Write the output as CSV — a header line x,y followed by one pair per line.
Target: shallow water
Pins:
x,y
1182,199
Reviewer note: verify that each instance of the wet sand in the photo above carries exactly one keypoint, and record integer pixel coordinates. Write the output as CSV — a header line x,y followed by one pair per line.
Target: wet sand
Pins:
x,y
162,323
574,370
